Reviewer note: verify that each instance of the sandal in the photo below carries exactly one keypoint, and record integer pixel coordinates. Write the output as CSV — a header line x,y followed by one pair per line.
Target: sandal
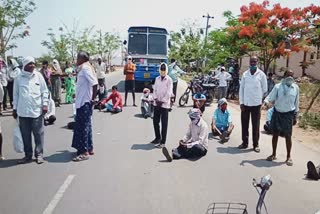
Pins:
x,y
80,158
271,158
289,162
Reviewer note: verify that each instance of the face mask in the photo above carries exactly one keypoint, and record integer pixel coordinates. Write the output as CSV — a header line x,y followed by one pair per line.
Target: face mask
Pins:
x,y
194,121
163,73
223,108
253,67
289,81
26,73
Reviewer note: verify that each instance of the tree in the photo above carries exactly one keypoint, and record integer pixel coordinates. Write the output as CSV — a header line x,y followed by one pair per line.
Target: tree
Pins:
x,y
270,30
106,44
12,18
57,45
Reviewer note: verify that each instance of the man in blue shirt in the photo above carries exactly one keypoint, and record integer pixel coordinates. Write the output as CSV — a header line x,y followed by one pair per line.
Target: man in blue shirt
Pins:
x,y
285,96
221,121
173,72
199,99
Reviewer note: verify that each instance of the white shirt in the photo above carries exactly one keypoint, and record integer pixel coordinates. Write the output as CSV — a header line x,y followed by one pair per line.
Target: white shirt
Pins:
x,y
30,94
101,70
51,109
253,88
223,77
163,90
86,79
197,134
3,76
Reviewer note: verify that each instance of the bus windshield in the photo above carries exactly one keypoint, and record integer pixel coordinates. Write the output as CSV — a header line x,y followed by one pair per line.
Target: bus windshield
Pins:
x,y
137,44
157,44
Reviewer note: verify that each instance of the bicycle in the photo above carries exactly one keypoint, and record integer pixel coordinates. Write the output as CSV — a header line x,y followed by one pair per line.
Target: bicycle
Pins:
x,y
241,208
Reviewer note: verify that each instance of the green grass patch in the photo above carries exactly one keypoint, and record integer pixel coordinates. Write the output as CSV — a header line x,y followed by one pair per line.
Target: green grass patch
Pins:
x,y
310,120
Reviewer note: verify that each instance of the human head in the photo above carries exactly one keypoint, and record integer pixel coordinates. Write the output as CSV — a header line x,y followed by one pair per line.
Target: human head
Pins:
x,y
222,103
253,63
146,91
173,60
99,60
114,89
222,68
129,58
82,57
29,64
194,115
163,69
45,64
288,78
67,64
270,75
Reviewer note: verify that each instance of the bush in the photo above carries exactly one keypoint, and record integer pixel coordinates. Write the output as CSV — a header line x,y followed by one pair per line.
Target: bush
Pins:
x,y
310,120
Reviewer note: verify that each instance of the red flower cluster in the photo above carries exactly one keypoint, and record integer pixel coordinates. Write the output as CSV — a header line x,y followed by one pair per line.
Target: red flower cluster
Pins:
x,y
262,22
247,31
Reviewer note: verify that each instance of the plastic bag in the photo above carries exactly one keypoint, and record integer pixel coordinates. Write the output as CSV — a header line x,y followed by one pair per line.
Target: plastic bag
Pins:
x,y
17,139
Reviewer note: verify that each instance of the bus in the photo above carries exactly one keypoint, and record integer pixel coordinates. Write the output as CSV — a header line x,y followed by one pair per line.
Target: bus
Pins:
x,y
148,47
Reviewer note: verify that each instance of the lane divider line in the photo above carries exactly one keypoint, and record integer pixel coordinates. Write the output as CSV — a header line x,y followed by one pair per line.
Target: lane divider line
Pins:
x,y
57,197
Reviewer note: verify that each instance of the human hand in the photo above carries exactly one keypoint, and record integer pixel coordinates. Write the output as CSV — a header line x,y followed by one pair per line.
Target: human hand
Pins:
x,y
14,114
44,109
242,107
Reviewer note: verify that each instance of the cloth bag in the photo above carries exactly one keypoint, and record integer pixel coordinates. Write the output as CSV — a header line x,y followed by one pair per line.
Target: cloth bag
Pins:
x,y
17,139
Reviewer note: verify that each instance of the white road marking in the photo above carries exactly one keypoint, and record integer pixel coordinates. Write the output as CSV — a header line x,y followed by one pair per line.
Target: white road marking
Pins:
x,y
54,202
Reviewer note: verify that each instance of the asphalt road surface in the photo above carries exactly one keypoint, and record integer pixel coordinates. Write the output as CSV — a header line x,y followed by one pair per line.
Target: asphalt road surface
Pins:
x,y
128,175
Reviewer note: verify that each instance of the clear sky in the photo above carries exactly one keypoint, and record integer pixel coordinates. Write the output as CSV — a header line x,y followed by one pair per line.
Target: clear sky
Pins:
x,y
118,15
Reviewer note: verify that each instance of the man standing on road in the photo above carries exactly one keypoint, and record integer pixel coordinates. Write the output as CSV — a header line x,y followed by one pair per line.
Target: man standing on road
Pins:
x,y
86,92
101,69
4,82
162,94
30,104
173,72
223,77
253,87
13,72
285,96
129,70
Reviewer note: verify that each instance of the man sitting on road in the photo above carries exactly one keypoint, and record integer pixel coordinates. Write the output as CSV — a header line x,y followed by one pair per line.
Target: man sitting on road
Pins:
x,y
146,103
221,121
199,99
195,142
116,98
50,116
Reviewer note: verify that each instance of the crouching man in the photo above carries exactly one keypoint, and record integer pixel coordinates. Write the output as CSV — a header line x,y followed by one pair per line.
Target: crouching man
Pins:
x,y
195,142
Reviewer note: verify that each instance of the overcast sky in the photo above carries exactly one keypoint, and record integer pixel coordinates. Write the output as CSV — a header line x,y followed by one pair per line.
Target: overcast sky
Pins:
x,y
119,15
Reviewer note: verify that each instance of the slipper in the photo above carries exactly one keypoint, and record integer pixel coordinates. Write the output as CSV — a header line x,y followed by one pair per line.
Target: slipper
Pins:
x,y
80,158
271,158
289,162
166,154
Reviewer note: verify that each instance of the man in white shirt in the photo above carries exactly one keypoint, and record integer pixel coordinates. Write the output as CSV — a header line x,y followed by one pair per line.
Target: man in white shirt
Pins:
x,y
30,104
223,77
3,83
162,93
50,116
195,142
101,69
86,92
253,88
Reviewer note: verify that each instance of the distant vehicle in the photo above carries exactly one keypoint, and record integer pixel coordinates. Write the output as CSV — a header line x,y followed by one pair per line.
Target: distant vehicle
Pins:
x,y
148,47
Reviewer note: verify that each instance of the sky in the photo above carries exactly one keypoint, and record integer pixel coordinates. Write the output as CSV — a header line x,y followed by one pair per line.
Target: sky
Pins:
x,y
118,15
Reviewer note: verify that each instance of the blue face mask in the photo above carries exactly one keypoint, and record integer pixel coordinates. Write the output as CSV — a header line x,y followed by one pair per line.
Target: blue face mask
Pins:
x,y
253,67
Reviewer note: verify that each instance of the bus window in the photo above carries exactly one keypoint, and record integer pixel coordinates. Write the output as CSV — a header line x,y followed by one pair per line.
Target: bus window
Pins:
x,y
157,44
137,44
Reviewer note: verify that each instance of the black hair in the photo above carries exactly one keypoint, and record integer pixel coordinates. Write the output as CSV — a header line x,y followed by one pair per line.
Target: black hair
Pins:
x,y
270,74
85,55
45,62
162,67
114,87
173,60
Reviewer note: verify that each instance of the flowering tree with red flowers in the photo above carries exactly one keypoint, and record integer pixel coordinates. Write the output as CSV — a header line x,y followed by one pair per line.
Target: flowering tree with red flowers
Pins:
x,y
273,31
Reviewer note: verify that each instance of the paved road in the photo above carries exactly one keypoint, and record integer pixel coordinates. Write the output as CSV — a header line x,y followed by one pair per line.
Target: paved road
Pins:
x,y
127,175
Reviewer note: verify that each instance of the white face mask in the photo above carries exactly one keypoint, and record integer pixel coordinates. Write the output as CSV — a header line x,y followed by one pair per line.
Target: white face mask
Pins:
x,y
289,81
195,121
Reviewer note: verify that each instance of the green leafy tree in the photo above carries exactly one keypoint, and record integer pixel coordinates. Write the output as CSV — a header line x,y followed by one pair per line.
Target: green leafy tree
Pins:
x,y
106,44
13,14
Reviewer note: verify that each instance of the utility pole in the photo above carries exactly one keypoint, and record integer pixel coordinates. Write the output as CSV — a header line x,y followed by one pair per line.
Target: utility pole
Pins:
x,y
205,38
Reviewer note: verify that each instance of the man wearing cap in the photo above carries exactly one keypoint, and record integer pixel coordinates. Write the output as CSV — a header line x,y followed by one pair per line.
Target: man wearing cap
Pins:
x,y
223,77
30,104
129,70
221,121
195,143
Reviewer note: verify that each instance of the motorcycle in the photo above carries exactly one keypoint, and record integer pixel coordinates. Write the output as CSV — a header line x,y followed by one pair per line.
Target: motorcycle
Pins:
x,y
192,85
